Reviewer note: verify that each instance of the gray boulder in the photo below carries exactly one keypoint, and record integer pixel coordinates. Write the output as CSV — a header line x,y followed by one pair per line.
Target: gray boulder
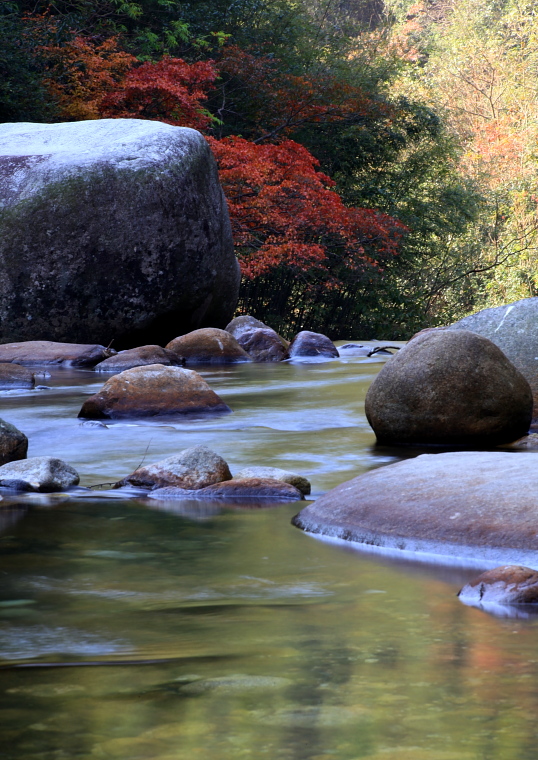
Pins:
x,y
13,443
35,353
43,474
514,329
139,357
275,473
469,506
506,585
111,229
244,324
208,346
312,344
192,468
151,391
449,388
250,491
13,376
263,345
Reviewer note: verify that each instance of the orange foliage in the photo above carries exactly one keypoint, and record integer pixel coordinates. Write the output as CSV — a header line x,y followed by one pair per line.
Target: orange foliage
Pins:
x,y
169,90
275,103
283,211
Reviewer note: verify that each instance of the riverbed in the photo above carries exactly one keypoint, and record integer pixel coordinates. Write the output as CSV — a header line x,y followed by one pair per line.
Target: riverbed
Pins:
x,y
189,632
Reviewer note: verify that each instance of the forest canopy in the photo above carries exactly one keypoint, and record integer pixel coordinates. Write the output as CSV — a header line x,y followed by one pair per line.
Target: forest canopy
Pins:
x,y
378,159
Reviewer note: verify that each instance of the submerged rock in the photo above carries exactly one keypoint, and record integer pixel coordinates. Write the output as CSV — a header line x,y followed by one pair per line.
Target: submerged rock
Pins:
x,y
192,468
112,228
14,376
451,388
139,357
308,343
43,474
246,489
13,443
275,473
470,505
150,391
208,346
32,353
263,345
509,584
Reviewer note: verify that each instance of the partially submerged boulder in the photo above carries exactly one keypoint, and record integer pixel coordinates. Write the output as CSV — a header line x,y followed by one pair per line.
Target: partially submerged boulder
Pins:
x,y
139,357
312,344
42,474
275,473
469,506
34,353
244,324
192,468
449,387
111,228
263,345
13,443
514,329
14,376
247,489
208,346
151,391
506,585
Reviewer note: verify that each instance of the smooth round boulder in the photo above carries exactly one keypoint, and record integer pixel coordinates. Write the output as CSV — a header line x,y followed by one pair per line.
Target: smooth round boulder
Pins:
x,y
15,376
192,468
506,585
463,506
13,443
263,345
34,353
449,388
139,357
41,474
152,391
208,346
244,323
275,473
312,344
255,489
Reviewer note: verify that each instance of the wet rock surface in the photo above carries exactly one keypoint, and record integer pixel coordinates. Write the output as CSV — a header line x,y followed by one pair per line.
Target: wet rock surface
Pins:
x,y
191,468
13,443
243,324
312,344
42,474
15,376
451,387
152,391
506,585
246,489
208,346
32,353
472,505
275,473
139,357
263,345
113,228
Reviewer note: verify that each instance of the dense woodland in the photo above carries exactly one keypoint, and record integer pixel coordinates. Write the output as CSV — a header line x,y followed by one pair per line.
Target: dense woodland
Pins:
x,y
379,160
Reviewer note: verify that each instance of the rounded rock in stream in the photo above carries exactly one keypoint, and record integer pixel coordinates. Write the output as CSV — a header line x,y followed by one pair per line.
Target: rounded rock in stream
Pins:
x,y
14,376
275,473
263,345
312,344
192,468
241,491
142,356
32,353
507,585
42,474
208,346
449,388
151,391
13,443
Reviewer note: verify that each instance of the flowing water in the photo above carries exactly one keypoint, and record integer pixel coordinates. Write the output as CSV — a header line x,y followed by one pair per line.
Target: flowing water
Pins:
x,y
194,633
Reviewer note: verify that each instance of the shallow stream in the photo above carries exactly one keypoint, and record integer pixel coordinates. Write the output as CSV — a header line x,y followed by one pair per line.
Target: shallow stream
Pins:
x,y
132,631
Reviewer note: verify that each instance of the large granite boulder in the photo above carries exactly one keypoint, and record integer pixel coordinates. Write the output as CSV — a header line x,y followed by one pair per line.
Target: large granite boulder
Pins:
x,y
152,391
13,443
111,229
473,506
193,468
35,353
42,474
449,387
312,344
208,346
514,329
263,345
139,357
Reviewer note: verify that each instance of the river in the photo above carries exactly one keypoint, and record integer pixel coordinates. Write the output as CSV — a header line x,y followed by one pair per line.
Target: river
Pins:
x,y
130,631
